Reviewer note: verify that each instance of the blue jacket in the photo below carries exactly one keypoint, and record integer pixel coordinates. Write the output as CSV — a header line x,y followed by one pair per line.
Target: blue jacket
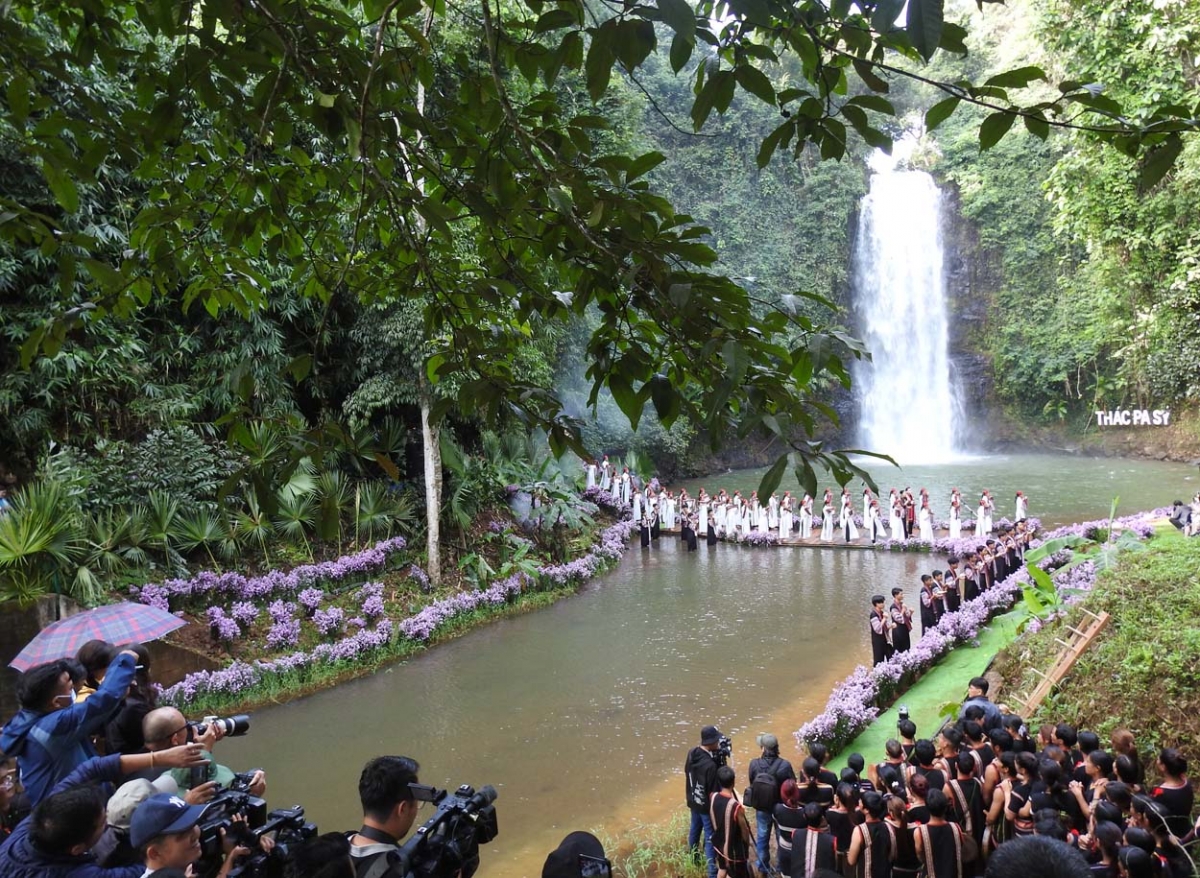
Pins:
x,y
20,859
49,746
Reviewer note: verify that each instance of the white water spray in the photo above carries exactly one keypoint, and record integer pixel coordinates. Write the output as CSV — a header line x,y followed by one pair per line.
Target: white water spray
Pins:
x,y
909,410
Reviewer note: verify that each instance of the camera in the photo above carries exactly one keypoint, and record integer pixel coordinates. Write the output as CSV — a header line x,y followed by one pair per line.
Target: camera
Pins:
x,y
902,714
233,727
724,749
448,842
287,824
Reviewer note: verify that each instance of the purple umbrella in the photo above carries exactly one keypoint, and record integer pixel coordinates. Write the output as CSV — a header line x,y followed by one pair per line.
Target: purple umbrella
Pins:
x,y
115,623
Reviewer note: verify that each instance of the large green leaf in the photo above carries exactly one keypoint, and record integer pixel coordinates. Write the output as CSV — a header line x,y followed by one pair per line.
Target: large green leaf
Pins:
x,y
924,25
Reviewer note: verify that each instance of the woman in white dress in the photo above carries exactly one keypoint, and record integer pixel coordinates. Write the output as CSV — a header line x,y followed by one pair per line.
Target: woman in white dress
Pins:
x,y
827,521
925,522
1022,506
981,515
591,474
773,512
955,517
637,505
989,506
785,517
895,519
605,474
806,516
867,498
874,521
846,521
702,525
626,486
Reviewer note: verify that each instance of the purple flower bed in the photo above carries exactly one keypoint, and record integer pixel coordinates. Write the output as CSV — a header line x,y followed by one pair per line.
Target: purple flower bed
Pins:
x,y
204,586
611,546
854,702
285,629
962,546
758,538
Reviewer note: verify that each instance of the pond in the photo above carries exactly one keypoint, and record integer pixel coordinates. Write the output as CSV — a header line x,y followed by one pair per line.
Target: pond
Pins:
x,y
580,714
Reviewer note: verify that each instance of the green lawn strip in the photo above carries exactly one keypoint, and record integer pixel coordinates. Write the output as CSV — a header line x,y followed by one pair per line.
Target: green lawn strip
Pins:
x,y
946,681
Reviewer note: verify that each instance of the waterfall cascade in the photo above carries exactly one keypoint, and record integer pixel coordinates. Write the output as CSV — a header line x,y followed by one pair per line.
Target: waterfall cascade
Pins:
x,y
909,409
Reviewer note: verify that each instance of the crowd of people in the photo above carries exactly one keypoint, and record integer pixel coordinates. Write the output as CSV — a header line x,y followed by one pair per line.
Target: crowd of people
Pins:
x,y
731,516
97,780
944,591
985,795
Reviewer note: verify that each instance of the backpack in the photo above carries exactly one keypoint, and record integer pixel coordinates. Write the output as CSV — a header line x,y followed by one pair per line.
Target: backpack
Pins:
x,y
763,792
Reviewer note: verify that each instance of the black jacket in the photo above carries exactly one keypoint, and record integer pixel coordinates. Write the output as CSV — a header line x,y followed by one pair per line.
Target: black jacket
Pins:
x,y
700,778
776,766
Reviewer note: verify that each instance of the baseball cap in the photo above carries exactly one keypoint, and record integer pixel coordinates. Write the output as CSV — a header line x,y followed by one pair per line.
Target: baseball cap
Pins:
x,y
563,861
162,814
709,735
131,794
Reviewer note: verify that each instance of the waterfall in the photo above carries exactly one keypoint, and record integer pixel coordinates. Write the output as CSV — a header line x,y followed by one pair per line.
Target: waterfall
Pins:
x,y
908,404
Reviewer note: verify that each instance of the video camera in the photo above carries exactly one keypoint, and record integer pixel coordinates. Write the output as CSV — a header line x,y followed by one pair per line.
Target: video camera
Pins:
x,y
235,801
233,727
724,750
448,843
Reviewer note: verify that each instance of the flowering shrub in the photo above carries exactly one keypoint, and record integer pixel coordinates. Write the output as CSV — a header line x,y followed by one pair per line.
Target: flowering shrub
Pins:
x,y
964,545
240,676
223,627
310,599
244,612
853,704
330,621
421,577
423,624
281,611
611,546
285,632
204,586
758,538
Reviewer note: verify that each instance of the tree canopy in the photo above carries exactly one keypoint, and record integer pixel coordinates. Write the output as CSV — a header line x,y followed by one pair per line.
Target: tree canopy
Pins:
x,y
453,154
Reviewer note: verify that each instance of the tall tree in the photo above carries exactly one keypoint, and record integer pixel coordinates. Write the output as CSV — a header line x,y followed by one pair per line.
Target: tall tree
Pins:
x,y
291,129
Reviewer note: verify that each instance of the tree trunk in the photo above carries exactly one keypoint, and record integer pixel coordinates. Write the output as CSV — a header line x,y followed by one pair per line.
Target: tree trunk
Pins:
x,y
431,439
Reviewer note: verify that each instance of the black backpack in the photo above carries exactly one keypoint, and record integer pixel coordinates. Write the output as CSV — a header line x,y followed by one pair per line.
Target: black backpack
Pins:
x,y
763,792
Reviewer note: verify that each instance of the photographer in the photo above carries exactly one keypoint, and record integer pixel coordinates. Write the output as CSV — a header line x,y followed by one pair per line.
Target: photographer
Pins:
x,y
50,735
56,841
389,810
166,727
165,828
700,775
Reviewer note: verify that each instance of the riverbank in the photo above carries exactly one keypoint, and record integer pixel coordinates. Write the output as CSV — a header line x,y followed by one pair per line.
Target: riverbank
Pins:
x,y
1142,672
285,635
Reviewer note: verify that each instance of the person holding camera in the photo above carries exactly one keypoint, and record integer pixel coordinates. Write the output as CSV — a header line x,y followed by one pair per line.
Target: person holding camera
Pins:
x,y
389,811
50,736
166,829
166,727
767,774
700,776
57,839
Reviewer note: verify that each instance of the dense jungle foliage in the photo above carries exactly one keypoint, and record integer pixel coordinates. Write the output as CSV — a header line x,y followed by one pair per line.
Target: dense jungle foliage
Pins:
x,y
233,292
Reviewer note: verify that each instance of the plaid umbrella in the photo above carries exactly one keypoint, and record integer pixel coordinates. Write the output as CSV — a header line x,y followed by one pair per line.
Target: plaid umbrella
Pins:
x,y
115,623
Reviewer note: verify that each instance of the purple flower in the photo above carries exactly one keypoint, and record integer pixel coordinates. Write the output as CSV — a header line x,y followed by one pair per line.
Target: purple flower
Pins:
x,y
311,598
329,621
245,612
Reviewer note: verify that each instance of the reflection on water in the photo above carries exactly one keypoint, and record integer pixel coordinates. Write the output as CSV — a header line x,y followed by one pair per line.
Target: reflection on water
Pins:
x,y
580,714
